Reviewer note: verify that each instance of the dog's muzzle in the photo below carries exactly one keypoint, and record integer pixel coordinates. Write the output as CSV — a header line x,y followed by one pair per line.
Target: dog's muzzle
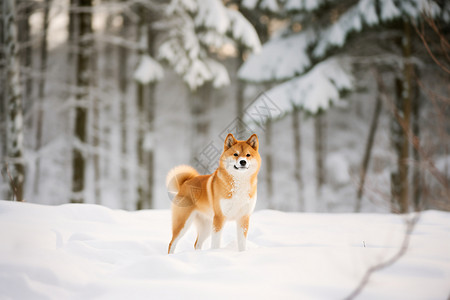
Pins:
x,y
242,164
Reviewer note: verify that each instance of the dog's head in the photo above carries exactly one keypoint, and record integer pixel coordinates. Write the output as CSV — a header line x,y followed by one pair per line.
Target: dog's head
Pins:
x,y
240,157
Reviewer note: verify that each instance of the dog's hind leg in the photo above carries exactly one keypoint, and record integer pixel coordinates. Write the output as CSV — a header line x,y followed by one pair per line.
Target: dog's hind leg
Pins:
x,y
204,225
182,218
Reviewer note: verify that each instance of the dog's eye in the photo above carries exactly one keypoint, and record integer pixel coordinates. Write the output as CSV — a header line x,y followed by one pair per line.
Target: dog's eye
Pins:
x,y
236,154
248,155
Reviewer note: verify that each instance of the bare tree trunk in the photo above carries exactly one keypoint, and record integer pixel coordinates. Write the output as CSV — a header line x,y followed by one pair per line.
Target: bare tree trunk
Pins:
x,y
397,142
146,108
320,154
14,101
96,132
123,82
41,93
26,57
406,95
140,99
240,95
2,93
368,151
108,73
269,163
150,116
149,149
82,82
96,154
73,36
200,106
417,176
74,27
298,156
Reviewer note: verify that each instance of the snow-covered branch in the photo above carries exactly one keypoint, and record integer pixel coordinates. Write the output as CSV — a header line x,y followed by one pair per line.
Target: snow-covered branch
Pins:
x,y
316,90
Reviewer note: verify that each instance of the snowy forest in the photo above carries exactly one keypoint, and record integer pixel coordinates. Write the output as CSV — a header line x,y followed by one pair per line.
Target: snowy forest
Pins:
x,y
100,99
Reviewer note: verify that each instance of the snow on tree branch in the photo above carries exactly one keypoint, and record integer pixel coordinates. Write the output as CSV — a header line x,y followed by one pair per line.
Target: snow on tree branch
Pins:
x,y
212,15
280,59
288,55
218,72
242,31
201,26
314,91
365,13
148,70
304,5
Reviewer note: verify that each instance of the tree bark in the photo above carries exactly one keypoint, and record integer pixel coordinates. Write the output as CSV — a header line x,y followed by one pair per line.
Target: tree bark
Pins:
x,y
417,176
298,156
2,95
240,101
96,132
41,93
26,57
397,138
406,95
96,154
108,72
269,163
140,99
368,151
146,112
150,117
82,82
13,99
150,145
320,153
123,83
74,27
200,105
73,42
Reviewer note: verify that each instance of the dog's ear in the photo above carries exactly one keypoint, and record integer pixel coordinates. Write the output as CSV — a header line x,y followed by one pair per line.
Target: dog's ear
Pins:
x,y
253,141
229,142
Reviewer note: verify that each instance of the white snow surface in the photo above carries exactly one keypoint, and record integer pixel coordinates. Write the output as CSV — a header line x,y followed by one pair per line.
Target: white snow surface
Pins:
x,y
85,251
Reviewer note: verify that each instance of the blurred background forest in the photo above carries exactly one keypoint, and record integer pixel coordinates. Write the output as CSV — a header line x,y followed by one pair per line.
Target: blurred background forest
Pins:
x,y
350,99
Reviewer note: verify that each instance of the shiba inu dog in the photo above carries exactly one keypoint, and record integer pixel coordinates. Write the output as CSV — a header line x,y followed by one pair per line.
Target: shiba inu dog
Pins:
x,y
210,200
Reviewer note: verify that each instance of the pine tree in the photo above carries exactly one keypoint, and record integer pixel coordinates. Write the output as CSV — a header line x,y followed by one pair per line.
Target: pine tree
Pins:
x,y
201,26
314,54
255,17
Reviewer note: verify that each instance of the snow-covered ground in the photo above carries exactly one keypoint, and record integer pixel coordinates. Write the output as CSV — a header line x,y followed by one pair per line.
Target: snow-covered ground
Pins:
x,y
92,252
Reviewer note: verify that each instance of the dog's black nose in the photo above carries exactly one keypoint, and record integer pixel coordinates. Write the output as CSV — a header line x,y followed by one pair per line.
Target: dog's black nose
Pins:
x,y
243,162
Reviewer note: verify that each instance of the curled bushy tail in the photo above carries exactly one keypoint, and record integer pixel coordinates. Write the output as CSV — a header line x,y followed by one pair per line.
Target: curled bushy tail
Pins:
x,y
177,176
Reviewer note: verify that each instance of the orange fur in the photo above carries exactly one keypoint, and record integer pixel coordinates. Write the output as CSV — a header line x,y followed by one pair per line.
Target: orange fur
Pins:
x,y
229,193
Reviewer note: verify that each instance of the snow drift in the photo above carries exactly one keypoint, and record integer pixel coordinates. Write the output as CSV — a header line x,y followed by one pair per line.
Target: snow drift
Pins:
x,y
87,251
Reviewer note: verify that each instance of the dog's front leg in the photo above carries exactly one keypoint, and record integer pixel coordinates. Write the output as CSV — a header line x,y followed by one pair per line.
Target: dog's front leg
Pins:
x,y
217,231
242,229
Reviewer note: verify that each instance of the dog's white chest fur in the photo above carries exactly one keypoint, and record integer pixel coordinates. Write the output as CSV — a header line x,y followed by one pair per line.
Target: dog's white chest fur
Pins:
x,y
240,203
